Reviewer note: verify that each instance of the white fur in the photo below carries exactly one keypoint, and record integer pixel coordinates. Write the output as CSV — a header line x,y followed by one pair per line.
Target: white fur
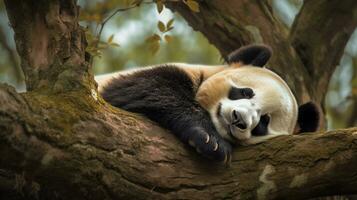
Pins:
x,y
272,97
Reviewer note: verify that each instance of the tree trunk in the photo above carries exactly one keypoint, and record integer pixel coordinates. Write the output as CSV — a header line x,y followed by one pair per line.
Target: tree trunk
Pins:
x,y
60,140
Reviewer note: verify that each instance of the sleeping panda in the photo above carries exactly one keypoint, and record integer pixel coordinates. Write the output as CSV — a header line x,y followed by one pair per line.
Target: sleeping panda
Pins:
x,y
212,107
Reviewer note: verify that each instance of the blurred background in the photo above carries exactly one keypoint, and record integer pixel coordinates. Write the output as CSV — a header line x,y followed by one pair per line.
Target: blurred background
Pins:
x,y
141,35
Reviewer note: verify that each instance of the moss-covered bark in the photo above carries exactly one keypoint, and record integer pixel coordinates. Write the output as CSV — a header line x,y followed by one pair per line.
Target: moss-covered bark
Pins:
x,y
60,140
82,149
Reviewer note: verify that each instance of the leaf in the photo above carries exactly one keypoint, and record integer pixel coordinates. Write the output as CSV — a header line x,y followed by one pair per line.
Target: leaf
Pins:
x,y
161,26
168,38
169,29
114,44
169,23
159,6
153,38
110,39
193,5
102,45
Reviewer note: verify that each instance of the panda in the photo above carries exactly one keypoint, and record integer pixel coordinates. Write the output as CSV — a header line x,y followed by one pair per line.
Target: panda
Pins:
x,y
212,108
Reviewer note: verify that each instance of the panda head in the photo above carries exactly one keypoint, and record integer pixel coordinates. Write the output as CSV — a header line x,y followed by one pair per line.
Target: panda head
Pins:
x,y
249,104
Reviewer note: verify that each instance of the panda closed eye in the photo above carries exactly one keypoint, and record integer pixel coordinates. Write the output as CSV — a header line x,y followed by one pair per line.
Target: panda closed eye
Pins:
x,y
240,93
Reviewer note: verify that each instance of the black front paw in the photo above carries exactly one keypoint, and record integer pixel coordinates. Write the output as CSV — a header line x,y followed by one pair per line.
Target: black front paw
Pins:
x,y
210,145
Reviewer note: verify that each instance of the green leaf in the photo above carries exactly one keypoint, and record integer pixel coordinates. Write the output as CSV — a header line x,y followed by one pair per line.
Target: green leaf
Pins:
x,y
161,26
153,38
169,23
168,38
169,29
159,6
110,39
193,5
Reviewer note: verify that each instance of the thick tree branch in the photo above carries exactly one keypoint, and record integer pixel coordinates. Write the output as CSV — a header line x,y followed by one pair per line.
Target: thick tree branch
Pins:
x,y
319,39
49,147
50,43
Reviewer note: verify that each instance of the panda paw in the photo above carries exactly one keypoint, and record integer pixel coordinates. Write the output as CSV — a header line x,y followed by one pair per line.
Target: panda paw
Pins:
x,y
211,146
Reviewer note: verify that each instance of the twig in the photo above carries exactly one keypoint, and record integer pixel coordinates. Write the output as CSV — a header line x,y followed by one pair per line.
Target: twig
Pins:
x,y
109,17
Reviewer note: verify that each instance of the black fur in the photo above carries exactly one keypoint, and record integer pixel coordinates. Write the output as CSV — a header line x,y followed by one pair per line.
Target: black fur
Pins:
x,y
262,128
240,93
308,117
166,95
256,55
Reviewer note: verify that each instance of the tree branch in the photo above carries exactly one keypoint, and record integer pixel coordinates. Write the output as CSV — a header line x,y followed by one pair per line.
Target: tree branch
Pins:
x,y
320,41
50,148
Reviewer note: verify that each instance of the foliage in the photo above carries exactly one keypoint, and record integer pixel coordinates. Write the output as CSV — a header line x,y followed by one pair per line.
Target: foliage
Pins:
x,y
99,17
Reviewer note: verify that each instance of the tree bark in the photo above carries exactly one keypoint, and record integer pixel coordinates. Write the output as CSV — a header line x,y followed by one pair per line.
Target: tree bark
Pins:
x,y
51,45
51,150
60,140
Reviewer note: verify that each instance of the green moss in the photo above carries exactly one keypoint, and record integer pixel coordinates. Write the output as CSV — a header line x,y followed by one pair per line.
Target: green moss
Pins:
x,y
61,111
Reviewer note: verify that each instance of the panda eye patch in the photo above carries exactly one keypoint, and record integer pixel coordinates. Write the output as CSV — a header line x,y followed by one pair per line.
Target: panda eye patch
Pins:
x,y
262,127
240,93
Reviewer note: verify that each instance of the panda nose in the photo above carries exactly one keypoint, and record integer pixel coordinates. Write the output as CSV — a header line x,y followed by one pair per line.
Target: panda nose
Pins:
x,y
238,120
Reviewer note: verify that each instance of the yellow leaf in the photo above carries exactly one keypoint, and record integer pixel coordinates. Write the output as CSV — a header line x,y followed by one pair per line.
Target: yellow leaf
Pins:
x,y
153,38
168,38
161,26
159,6
110,39
114,44
193,5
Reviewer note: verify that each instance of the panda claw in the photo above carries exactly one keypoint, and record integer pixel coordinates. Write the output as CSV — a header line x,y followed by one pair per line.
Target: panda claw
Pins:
x,y
215,148
209,145
207,139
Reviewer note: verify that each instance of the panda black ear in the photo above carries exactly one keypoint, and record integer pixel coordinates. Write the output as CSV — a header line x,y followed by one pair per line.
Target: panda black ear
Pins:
x,y
308,118
256,55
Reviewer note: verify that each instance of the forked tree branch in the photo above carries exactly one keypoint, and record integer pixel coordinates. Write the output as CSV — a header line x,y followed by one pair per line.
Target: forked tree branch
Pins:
x,y
319,35
317,38
232,23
